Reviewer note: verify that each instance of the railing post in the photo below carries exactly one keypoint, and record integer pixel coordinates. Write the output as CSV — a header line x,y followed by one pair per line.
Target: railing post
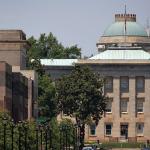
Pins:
x,y
25,130
19,140
12,135
4,123
37,139
41,136
60,136
46,129
50,138
66,138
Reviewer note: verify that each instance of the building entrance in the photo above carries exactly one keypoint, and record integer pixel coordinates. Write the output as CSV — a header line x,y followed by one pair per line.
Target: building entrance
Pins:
x,y
124,131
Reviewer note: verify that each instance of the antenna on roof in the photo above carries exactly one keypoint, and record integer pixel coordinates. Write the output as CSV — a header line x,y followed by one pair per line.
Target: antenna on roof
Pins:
x,y
125,24
125,29
148,27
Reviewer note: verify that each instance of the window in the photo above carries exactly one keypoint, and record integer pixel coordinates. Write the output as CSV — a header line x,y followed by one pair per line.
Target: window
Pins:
x,y
139,128
140,84
108,84
109,105
124,105
93,129
108,128
140,105
124,84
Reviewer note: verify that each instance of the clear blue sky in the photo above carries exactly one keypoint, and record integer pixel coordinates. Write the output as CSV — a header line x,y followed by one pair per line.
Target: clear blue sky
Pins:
x,y
79,22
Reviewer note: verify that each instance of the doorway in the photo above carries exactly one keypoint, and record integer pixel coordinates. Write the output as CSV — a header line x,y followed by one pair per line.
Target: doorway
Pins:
x,y
124,131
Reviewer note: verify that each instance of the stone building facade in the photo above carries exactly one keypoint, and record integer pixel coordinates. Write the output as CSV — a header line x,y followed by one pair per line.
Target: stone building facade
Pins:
x,y
127,116
18,86
124,61
5,86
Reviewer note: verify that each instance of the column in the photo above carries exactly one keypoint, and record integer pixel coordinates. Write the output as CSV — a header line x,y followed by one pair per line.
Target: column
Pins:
x,y
147,108
116,107
132,107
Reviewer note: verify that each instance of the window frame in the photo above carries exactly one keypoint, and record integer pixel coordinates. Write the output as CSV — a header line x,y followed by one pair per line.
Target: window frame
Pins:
x,y
108,87
122,88
140,89
142,101
92,128
137,129
110,100
111,125
121,101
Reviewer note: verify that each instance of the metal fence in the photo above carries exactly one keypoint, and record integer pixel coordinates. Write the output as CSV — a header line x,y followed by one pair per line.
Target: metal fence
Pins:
x,y
25,136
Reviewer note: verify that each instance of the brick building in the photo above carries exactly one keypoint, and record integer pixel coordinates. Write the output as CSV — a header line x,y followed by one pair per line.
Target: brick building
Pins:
x,y
124,60
18,86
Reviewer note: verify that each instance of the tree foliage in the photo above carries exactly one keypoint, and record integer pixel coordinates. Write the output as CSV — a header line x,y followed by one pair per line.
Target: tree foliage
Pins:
x,y
47,46
80,94
47,102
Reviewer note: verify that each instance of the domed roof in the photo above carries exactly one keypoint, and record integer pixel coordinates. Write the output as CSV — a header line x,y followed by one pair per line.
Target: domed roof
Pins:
x,y
132,29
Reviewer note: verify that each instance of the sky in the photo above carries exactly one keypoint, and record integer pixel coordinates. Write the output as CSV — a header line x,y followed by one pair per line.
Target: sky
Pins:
x,y
80,22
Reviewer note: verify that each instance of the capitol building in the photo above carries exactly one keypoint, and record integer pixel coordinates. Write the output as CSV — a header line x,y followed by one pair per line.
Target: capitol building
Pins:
x,y
124,60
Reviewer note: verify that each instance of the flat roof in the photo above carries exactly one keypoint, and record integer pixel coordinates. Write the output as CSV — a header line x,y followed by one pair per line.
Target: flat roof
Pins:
x,y
58,62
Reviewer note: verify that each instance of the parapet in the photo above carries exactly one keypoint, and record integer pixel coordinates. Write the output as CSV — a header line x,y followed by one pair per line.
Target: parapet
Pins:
x,y
12,35
127,17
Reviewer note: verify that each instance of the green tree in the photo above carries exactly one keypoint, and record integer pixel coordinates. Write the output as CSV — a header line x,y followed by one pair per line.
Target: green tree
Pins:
x,y
47,102
47,46
35,64
80,95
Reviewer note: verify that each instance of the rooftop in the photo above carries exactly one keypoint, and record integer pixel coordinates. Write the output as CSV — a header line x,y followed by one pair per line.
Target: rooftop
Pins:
x,y
123,54
58,62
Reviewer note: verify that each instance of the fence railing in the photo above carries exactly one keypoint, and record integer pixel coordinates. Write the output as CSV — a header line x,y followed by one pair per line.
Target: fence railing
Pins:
x,y
27,136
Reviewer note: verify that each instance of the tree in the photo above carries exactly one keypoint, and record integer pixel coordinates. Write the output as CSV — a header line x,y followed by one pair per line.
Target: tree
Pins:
x,y
47,102
80,94
49,47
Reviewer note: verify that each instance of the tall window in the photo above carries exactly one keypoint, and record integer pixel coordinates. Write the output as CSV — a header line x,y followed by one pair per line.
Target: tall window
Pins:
x,y
108,84
124,84
139,128
124,105
93,129
109,105
140,84
108,129
140,105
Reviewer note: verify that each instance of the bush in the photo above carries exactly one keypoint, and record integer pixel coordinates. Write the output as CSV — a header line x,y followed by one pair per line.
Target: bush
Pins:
x,y
121,145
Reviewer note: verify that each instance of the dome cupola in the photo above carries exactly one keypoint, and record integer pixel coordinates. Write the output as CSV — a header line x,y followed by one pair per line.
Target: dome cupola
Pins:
x,y
124,31
125,22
